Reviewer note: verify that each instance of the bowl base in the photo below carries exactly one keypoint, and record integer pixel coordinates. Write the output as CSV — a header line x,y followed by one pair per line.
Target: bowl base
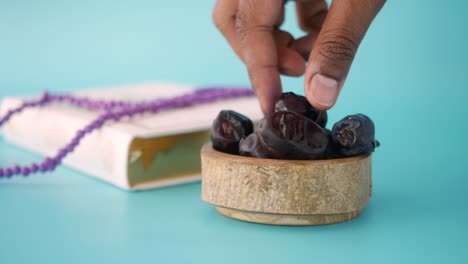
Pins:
x,y
285,219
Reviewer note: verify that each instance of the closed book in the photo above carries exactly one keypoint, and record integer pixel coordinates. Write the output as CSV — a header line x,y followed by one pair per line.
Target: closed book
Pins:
x,y
147,151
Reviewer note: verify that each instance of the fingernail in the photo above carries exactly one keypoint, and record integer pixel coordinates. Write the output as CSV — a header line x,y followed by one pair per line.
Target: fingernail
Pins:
x,y
323,90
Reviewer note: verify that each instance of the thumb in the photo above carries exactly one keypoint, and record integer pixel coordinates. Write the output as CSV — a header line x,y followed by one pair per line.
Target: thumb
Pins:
x,y
331,57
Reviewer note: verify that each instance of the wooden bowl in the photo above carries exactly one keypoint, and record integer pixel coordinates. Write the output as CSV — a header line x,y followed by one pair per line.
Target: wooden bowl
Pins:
x,y
286,192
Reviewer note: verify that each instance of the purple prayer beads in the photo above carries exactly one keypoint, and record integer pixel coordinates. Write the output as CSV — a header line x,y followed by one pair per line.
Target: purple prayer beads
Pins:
x,y
113,111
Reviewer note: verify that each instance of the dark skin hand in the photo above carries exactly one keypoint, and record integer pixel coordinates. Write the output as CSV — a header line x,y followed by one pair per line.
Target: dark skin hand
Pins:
x,y
324,54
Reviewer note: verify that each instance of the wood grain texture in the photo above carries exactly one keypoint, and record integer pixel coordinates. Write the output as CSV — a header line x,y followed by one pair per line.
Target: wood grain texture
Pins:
x,y
285,219
323,187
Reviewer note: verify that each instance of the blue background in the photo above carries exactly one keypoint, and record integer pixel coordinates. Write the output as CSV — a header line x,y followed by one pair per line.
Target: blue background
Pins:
x,y
410,76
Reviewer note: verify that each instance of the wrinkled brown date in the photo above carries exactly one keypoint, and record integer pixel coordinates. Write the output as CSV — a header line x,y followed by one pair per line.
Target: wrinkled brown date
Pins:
x,y
252,147
228,129
292,102
288,135
354,135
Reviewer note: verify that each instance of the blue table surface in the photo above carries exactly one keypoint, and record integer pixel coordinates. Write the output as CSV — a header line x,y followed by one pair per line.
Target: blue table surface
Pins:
x,y
410,76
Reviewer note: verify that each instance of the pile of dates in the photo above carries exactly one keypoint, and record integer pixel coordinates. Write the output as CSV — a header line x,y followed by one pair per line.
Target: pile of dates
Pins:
x,y
295,131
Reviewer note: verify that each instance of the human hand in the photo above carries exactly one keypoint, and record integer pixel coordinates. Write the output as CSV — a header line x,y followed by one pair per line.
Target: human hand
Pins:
x,y
332,38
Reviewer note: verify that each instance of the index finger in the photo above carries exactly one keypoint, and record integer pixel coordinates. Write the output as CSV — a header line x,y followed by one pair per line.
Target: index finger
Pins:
x,y
254,26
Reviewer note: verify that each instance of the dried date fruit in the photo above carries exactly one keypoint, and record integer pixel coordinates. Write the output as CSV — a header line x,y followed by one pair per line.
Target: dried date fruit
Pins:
x,y
321,118
228,129
288,135
251,147
354,135
332,151
298,104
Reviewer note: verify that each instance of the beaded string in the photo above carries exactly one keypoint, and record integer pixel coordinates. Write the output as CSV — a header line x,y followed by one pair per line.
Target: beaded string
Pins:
x,y
112,111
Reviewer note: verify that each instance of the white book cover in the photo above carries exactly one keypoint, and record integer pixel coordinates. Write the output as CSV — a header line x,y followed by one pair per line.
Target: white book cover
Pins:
x,y
105,152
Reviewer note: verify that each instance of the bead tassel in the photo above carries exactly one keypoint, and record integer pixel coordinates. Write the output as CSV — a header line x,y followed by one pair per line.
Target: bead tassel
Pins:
x,y
113,111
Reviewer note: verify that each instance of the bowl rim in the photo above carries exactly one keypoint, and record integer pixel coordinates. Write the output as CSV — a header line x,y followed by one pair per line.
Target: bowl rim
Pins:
x,y
208,150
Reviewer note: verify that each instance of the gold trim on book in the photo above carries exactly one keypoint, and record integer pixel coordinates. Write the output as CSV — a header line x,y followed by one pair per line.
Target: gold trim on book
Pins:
x,y
173,156
170,177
